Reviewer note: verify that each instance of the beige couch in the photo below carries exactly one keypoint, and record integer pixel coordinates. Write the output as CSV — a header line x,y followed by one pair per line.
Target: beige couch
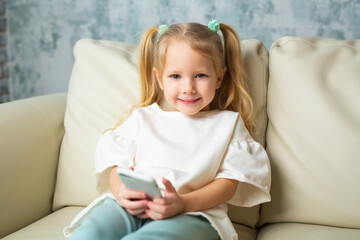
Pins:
x,y
307,100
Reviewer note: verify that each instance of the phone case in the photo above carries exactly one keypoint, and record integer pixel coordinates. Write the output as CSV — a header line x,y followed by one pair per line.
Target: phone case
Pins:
x,y
139,182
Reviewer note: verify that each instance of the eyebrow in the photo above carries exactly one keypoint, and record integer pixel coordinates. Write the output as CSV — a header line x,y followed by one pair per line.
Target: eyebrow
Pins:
x,y
196,70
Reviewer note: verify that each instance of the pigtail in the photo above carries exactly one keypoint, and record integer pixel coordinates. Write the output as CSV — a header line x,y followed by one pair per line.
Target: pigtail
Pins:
x,y
234,93
150,91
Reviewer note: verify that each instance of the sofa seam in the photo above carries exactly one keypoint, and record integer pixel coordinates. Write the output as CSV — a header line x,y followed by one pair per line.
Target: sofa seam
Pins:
x,y
265,87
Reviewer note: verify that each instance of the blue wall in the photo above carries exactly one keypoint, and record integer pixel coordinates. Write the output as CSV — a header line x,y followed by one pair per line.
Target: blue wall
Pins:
x,y
41,33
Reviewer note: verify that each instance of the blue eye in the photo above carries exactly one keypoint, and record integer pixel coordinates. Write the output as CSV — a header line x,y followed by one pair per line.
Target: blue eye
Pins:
x,y
201,75
175,76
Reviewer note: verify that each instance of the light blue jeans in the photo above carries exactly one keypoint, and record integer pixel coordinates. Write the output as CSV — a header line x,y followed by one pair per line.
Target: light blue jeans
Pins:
x,y
109,221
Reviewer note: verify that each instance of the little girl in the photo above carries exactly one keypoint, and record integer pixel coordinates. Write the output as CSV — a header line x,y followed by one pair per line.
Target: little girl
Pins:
x,y
199,149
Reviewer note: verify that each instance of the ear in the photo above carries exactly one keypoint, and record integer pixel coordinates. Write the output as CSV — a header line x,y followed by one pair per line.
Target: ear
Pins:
x,y
158,78
220,78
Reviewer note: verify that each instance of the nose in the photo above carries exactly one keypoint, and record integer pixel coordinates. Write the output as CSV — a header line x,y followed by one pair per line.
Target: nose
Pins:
x,y
189,86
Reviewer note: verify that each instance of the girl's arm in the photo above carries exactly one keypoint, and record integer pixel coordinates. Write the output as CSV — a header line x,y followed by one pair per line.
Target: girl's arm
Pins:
x,y
218,191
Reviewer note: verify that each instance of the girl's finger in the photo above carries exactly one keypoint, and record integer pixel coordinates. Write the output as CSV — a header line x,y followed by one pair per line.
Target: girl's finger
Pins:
x,y
161,209
154,215
160,201
168,186
134,205
135,212
132,194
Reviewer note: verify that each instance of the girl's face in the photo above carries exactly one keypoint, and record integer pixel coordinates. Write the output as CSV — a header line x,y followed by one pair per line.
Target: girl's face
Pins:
x,y
189,80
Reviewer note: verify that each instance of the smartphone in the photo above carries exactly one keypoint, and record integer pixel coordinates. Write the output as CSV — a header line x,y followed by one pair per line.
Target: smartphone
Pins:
x,y
139,182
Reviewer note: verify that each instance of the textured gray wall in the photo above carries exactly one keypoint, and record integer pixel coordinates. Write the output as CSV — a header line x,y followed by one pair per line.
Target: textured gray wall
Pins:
x,y
4,81
41,33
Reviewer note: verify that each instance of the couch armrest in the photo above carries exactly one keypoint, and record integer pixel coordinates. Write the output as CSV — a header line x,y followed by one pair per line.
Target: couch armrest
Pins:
x,y
31,131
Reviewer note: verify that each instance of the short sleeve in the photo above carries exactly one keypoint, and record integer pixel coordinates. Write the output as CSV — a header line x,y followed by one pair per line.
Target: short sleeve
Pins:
x,y
115,148
247,162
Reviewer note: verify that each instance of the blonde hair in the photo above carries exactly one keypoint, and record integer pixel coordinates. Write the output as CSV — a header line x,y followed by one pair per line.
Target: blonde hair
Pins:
x,y
232,95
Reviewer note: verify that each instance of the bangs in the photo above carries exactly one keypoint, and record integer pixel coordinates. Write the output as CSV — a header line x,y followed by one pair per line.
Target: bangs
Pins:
x,y
199,37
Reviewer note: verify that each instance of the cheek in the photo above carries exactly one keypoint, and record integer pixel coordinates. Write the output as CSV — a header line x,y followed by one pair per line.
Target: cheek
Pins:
x,y
208,87
170,88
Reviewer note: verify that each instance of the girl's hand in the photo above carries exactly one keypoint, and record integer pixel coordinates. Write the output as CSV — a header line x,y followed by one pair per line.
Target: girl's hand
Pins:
x,y
169,206
134,202
126,196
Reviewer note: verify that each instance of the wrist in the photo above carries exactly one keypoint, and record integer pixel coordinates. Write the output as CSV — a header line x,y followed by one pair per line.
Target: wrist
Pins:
x,y
114,182
187,204
182,205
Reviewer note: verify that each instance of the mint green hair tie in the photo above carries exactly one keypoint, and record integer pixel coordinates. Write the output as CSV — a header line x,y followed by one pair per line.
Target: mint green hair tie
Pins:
x,y
162,29
214,25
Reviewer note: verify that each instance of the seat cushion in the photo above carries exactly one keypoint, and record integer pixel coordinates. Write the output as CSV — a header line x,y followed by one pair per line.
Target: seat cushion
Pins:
x,y
104,85
298,231
49,227
313,136
244,232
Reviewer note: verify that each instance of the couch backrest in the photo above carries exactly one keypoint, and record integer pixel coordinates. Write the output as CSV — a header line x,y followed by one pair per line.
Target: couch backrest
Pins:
x,y
313,136
104,85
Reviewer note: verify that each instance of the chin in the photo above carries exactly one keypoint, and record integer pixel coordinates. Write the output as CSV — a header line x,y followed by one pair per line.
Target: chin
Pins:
x,y
189,112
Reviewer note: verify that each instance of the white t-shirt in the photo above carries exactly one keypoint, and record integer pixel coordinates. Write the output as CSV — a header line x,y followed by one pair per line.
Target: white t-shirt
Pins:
x,y
190,151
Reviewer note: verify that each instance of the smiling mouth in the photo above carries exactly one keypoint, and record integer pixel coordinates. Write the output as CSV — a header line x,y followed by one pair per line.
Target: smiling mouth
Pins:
x,y
189,101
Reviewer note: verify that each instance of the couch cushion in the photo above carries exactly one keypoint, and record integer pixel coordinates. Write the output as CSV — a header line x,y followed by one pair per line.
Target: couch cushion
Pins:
x,y
313,136
298,231
49,227
104,85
